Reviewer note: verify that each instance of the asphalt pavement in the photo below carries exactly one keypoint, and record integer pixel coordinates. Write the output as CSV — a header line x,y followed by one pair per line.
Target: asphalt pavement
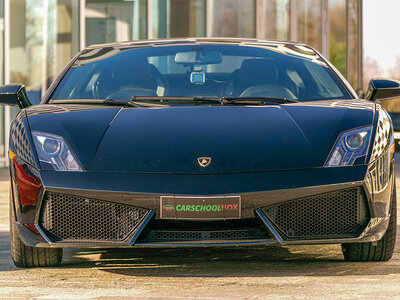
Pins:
x,y
268,272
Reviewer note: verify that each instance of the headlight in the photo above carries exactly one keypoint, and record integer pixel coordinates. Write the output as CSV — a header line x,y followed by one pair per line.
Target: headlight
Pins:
x,y
53,149
350,146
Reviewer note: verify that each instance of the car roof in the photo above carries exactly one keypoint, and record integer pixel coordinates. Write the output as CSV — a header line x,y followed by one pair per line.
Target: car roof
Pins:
x,y
174,41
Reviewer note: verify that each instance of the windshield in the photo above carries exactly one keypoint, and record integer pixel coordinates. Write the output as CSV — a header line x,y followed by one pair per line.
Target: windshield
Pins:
x,y
201,70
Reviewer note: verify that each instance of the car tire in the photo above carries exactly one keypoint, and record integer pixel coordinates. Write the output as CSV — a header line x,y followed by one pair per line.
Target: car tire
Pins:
x,y
31,257
384,248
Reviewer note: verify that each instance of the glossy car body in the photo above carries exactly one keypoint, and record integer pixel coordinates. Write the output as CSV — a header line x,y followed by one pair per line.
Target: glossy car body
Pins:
x,y
273,158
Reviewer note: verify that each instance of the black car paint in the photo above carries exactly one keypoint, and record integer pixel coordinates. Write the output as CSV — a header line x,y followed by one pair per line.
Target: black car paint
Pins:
x,y
105,139
257,187
102,138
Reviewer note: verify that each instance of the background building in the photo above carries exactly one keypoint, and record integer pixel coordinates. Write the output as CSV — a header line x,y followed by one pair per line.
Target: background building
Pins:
x,y
39,37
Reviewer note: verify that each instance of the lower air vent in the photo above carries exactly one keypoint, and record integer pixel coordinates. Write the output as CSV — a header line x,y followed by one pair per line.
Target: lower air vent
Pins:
x,y
340,214
70,218
178,235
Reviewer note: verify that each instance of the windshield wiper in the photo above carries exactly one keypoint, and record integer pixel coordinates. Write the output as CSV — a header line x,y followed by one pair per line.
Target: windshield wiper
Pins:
x,y
253,100
169,99
146,100
222,101
110,101
106,101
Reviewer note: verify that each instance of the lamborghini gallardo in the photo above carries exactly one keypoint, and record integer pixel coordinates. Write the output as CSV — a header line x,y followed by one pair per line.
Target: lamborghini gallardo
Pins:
x,y
201,142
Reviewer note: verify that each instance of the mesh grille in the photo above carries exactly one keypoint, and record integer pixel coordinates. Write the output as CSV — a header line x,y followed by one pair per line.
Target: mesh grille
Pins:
x,y
78,219
332,215
171,235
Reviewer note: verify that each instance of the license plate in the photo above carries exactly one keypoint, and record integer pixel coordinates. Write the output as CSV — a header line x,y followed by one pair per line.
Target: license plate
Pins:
x,y
205,208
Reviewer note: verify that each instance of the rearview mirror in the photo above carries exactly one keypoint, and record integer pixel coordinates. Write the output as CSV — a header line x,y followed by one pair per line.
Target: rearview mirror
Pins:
x,y
205,57
14,95
382,89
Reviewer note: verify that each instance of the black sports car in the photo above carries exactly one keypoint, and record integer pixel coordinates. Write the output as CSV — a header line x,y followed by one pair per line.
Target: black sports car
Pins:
x,y
201,142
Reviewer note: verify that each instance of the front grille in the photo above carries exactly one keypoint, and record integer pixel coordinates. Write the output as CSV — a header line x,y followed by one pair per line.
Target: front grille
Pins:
x,y
340,214
70,218
178,235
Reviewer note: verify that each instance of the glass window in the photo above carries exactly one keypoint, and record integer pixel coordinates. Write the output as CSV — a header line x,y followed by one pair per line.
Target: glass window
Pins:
x,y
179,18
337,34
195,70
2,140
44,35
233,18
353,53
1,42
326,85
274,19
309,23
110,21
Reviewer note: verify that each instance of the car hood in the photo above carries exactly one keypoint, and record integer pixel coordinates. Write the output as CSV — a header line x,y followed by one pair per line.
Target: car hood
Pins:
x,y
171,139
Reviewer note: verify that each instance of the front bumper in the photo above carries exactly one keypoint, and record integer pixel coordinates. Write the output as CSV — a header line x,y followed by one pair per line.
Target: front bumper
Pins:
x,y
257,190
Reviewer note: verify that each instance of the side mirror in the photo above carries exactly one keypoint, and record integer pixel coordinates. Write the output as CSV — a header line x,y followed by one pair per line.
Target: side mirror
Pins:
x,y
15,95
382,89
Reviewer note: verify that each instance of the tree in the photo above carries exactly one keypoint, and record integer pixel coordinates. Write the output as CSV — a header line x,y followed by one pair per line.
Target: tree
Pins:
x,y
394,72
371,69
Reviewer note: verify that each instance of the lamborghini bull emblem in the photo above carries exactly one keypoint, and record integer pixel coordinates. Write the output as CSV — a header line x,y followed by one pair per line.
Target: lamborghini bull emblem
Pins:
x,y
204,161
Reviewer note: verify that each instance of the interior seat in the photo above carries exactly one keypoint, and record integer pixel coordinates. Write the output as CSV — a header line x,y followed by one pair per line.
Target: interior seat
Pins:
x,y
257,78
138,79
